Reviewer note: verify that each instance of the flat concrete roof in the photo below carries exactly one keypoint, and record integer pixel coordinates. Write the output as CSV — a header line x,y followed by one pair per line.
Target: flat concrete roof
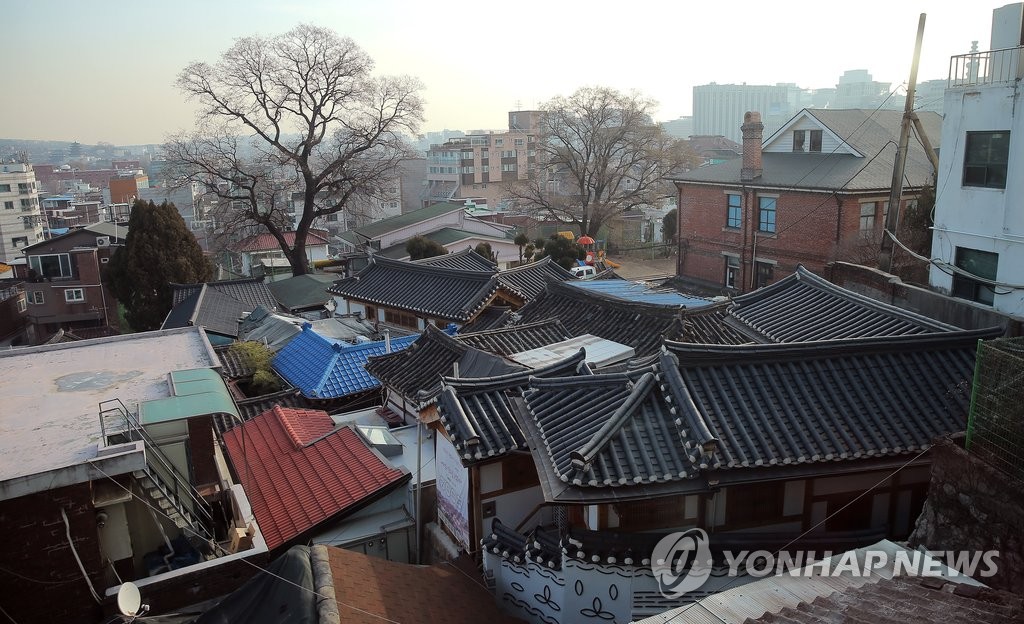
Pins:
x,y
50,395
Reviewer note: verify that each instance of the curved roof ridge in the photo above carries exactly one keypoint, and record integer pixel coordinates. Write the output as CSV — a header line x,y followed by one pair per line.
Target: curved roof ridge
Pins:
x,y
517,378
429,268
701,354
802,274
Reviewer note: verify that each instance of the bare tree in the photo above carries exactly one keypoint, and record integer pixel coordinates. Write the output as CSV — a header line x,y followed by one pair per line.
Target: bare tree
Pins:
x,y
298,111
599,154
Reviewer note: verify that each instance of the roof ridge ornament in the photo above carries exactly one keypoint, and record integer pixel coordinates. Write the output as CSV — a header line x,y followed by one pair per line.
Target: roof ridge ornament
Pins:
x,y
582,458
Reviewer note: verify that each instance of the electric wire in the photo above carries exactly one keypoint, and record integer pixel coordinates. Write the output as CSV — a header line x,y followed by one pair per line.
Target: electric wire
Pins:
x,y
798,537
243,559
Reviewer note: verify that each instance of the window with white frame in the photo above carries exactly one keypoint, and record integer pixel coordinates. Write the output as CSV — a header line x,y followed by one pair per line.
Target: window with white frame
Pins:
x,y
22,305
732,271
74,295
54,266
509,167
36,297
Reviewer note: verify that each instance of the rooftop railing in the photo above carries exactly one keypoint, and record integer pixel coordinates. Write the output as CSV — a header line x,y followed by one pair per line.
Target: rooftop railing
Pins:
x,y
985,68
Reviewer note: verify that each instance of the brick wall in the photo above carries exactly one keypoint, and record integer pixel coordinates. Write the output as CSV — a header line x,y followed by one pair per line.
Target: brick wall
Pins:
x,y
35,547
812,229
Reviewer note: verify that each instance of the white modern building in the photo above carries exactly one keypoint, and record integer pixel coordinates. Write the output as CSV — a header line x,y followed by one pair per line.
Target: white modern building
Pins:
x,y
979,210
21,223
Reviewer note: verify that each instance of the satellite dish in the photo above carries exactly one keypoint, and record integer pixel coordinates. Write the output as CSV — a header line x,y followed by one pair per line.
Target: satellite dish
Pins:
x,y
129,600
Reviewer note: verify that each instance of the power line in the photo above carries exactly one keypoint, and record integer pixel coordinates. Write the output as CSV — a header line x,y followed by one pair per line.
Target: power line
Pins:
x,y
822,522
243,559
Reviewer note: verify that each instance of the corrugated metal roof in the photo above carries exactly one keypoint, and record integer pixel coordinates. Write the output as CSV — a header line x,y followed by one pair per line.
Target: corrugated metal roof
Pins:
x,y
639,292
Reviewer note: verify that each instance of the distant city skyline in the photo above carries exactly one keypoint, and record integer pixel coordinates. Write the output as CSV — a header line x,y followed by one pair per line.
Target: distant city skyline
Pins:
x,y
105,71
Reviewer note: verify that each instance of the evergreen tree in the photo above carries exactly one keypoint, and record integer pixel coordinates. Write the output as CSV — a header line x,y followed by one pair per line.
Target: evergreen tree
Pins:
x,y
562,251
158,250
419,247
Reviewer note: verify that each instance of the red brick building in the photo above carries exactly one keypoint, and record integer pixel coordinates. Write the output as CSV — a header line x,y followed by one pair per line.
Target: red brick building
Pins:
x,y
815,191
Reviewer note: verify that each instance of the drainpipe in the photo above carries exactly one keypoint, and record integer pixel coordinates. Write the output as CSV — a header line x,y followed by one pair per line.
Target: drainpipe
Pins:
x,y
387,341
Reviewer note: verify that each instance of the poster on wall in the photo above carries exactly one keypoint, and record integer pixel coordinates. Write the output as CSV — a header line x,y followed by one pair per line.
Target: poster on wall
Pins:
x,y
452,491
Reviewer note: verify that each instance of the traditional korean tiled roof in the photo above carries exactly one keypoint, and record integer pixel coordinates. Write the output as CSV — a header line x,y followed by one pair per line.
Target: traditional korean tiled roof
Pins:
x,y
267,242
465,260
508,340
425,290
491,317
217,306
715,409
299,472
252,407
530,279
707,326
233,364
477,413
804,307
639,325
323,368
416,372
302,291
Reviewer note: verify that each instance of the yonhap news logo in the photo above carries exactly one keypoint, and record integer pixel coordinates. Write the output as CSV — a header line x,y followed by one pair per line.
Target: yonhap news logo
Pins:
x,y
682,562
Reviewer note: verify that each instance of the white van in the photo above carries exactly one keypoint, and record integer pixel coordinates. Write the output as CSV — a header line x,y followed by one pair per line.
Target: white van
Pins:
x,y
583,272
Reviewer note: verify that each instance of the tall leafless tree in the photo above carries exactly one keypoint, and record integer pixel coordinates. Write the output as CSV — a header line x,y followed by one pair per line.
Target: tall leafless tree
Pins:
x,y
599,154
297,111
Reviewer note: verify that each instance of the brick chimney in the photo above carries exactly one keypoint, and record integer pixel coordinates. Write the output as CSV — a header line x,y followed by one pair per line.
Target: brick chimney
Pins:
x,y
753,131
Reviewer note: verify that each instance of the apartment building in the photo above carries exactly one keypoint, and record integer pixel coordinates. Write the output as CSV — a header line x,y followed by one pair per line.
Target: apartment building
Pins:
x,y
20,218
481,166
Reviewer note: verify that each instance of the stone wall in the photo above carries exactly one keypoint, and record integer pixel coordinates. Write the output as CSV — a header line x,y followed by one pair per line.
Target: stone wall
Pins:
x,y
974,507
891,289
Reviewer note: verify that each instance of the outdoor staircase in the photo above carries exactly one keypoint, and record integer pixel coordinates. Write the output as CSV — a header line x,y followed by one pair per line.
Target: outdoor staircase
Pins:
x,y
164,486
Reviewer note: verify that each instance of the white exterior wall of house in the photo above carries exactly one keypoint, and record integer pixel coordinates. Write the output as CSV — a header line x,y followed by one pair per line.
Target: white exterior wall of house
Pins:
x,y
978,218
20,222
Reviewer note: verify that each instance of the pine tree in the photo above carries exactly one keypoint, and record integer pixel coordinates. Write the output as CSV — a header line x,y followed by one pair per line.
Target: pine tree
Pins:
x,y
158,250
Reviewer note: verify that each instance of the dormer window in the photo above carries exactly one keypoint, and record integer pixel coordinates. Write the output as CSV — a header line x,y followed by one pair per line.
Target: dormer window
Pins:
x,y
807,140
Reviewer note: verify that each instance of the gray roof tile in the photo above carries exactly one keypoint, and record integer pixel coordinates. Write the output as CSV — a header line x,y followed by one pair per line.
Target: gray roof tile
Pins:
x,y
509,340
425,290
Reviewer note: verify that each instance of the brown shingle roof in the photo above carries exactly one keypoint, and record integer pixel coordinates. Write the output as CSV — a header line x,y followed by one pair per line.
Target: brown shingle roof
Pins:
x,y
368,589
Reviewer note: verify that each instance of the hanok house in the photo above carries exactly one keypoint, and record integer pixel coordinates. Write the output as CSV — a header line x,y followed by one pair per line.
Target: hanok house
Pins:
x,y
409,296
815,191
112,474
64,287
811,395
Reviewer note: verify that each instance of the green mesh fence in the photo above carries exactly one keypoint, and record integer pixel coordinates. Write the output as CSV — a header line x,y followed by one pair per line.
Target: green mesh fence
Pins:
x,y
995,431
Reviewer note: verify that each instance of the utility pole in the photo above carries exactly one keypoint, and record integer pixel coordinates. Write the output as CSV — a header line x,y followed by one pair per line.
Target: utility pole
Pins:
x,y
892,218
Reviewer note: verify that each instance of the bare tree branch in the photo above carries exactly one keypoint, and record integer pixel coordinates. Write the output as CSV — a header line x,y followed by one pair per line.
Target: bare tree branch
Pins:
x,y
599,155
296,112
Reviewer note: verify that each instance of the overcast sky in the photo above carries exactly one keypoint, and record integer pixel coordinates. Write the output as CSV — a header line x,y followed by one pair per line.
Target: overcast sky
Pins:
x,y
96,70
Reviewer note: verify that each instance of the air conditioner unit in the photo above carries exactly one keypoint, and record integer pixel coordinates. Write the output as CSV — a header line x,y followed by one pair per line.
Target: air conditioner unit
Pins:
x,y
103,241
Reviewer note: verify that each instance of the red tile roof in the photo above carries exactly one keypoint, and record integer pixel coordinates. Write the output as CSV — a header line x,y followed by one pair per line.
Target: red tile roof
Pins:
x,y
298,475
267,242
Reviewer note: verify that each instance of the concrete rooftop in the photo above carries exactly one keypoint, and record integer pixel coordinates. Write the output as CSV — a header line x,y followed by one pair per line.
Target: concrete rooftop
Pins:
x,y
51,394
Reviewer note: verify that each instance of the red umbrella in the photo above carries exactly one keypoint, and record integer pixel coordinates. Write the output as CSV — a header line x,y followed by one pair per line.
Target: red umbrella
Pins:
x,y
585,240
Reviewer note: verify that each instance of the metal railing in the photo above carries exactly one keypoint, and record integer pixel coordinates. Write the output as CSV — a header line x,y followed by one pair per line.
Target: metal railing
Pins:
x,y
175,485
984,68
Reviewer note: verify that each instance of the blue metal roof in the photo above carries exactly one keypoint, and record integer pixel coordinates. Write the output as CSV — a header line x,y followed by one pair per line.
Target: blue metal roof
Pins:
x,y
325,368
639,292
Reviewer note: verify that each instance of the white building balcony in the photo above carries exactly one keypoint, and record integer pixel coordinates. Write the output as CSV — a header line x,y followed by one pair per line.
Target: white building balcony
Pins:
x,y
986,68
